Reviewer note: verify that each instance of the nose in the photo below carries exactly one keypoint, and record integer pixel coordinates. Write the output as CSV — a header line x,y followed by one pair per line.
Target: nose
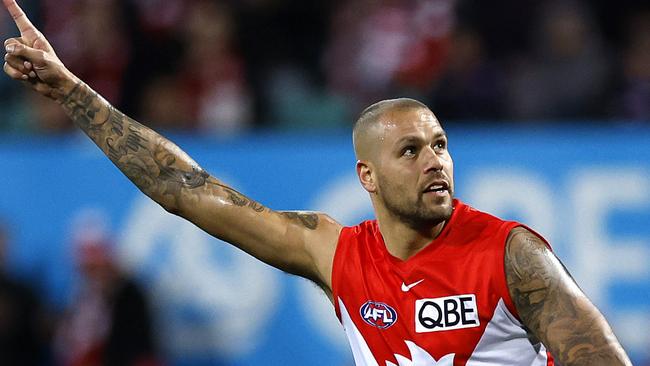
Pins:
x,y
433,161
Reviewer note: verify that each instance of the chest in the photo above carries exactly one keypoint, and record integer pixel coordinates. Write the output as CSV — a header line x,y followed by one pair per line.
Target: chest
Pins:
x,y
440,302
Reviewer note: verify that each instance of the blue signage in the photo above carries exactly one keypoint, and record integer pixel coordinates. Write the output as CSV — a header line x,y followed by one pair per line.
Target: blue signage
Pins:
x,y
585,189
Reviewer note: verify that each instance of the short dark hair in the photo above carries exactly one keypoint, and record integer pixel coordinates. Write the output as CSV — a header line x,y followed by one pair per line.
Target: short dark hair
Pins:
x,y
371,114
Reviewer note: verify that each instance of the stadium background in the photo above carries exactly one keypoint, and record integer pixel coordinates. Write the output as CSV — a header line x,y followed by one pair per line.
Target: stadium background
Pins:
x,y
546,104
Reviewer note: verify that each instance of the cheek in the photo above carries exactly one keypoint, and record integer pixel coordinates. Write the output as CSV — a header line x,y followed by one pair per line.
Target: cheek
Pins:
x,y
390,181
449,169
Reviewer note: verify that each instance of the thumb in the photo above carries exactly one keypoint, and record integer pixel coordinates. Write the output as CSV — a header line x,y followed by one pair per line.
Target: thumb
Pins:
x,y
41,44
36,57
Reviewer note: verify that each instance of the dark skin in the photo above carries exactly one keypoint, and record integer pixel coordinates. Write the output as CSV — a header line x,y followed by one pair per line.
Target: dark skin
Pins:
x,y
551,306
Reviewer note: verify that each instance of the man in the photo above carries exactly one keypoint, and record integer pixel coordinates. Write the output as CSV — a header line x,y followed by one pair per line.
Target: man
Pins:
x,y
109,321
432,281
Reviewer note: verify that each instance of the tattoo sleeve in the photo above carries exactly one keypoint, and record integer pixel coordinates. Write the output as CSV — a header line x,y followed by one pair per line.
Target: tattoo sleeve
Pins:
x,y
286,240
158,167
554,309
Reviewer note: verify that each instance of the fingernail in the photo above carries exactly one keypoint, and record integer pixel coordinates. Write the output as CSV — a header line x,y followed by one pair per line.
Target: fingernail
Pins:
x,y
10,48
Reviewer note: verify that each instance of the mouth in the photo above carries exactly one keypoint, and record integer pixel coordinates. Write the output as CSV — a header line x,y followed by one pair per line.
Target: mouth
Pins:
x,y
439,187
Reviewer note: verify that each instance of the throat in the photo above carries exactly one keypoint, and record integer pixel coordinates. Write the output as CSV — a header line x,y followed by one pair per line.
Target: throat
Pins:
x,y
406,252
405,242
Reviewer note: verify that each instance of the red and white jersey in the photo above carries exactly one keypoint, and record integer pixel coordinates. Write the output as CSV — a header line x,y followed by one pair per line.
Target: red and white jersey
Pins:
x,y
447,305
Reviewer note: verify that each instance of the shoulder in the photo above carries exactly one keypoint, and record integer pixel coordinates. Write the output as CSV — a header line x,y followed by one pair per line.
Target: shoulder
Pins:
x,y
322,230
533,273
526,254
524,247
467,215
468,224
352,238
364,230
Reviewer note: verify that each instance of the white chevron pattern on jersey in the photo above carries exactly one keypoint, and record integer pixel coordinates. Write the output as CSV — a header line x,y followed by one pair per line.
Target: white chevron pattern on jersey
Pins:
x,y
505,342
360,349
363,356
420,357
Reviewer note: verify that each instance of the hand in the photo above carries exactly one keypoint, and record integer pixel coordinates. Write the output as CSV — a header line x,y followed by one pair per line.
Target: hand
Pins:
x,y
31,59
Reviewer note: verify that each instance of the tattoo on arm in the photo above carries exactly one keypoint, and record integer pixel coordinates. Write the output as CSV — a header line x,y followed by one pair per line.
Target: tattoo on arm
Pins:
x,y
553,308
240,200
307,219
157,166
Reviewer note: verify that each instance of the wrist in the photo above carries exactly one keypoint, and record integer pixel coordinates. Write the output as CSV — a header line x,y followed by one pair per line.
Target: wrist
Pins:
x,y
65,88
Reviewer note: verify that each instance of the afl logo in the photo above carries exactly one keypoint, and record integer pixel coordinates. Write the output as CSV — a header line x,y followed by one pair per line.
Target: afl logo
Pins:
x,y
378,314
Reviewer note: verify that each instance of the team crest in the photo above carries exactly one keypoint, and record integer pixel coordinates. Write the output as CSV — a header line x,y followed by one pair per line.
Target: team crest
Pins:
x,y
378,314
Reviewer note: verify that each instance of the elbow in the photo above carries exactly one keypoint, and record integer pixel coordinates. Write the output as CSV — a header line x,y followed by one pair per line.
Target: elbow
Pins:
x,y
172,209
170,203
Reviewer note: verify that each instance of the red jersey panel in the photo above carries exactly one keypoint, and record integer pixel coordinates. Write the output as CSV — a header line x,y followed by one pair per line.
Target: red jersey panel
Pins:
x,y
447,305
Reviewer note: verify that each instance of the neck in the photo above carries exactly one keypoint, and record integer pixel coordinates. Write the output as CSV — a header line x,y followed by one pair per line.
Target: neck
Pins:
x,y
402,240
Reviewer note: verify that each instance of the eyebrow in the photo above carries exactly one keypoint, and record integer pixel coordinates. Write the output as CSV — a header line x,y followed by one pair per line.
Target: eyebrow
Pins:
x,y
411,138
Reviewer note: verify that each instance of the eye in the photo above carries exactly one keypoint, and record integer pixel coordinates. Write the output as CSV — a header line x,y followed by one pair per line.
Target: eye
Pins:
x,y
441,144
409,151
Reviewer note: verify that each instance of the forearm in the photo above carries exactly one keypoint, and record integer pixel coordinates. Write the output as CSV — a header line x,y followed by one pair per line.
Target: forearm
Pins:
x,y
154,164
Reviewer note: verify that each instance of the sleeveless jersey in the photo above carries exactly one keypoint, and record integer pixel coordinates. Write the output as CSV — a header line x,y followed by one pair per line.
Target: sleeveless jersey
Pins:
x,y
446,305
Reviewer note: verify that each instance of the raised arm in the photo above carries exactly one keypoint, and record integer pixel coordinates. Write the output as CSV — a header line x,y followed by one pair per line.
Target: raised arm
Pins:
x,y
554,309
301,243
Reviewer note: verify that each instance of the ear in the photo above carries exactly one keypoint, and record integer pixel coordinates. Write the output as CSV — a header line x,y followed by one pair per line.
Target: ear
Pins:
x,y
366,177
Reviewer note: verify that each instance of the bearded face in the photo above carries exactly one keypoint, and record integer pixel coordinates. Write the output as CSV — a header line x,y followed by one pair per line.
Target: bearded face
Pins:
x,y
413,170
412,205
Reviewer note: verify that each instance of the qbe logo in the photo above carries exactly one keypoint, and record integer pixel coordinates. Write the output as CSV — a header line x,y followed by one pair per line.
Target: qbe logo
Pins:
x,y
446,313
378,314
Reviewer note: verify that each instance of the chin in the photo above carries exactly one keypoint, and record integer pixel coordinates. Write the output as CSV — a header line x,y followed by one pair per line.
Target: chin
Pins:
x,y
422,214
442,213
430,217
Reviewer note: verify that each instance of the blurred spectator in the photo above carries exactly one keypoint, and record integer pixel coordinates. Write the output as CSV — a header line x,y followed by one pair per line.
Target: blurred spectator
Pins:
x,y
226,66
207,90
471,87
280,39
164,105
23,328
91,38
382,47
212,72
297,103
567,75
505,26
109,322
157,50
634,103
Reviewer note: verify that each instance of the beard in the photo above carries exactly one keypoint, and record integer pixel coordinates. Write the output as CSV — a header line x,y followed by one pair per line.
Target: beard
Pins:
x,y
416,213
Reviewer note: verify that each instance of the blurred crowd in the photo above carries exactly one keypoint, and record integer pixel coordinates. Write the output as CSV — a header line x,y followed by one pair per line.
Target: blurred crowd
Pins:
x,y
223,67
106,321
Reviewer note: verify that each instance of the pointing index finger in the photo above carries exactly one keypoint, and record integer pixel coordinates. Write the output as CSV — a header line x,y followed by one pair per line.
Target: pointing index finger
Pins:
x,y
23,23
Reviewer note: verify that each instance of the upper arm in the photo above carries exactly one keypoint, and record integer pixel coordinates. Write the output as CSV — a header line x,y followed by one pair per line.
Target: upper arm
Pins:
x,y
553,308
301,243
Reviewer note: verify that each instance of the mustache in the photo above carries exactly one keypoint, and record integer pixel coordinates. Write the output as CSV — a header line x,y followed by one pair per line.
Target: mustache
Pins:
x,y
437,177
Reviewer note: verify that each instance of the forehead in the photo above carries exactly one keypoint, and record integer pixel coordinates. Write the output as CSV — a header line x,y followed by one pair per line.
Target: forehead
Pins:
x,y
399,122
